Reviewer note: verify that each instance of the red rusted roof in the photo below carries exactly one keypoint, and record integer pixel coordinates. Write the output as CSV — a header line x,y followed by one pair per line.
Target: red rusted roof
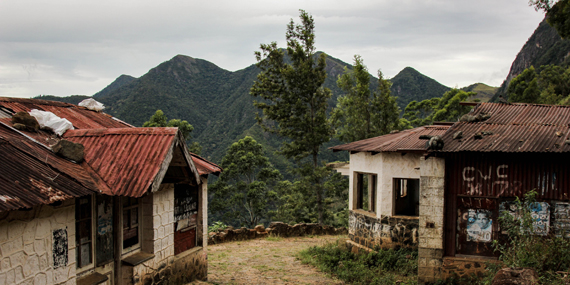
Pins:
x,y
83,118
31,174
127,159
205,167
80,117
404,141
513,128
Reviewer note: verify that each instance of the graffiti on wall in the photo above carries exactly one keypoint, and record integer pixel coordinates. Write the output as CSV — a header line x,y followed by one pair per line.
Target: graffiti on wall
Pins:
x,y
561,221
479,225
383,230
59,248
491,181
540,213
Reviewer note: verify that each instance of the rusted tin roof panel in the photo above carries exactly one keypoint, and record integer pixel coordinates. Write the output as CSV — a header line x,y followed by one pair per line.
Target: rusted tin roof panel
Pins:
x,y
407,140
80,117
31,174
127,159
205,167
512,128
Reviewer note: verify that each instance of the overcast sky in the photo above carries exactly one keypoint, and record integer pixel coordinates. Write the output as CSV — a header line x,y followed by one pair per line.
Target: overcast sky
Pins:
x,y
66,47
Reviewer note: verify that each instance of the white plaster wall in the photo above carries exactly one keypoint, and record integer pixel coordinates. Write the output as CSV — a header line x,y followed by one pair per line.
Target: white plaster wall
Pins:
x,y
386,166
395,165
363,162
26,245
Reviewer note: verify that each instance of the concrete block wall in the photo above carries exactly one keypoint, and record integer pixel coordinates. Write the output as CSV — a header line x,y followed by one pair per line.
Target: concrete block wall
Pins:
x,y
430,248
26,245
158,236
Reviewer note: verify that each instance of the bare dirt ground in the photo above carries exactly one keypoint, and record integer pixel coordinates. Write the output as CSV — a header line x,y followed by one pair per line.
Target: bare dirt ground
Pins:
x,y
265,261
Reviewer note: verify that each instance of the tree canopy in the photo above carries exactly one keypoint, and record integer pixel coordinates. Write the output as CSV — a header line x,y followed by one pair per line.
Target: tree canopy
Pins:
x,y
360,113
557,14
444,109
294,101
244,191
548,85
159,119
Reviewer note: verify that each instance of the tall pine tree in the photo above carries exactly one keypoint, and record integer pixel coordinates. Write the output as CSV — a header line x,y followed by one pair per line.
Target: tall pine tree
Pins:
x,y
294,100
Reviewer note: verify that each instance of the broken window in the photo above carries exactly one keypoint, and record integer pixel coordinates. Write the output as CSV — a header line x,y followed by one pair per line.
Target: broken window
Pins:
x,y
83,226
406,197
366,191
131,212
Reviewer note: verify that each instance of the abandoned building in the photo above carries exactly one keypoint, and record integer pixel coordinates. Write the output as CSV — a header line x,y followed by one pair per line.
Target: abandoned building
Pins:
x,y
127,206
491,156
384,187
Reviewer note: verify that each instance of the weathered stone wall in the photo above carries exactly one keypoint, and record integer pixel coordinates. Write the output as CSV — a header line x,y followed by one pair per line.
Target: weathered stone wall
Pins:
x,y
386,232
27,245
464,267
274,229
430,249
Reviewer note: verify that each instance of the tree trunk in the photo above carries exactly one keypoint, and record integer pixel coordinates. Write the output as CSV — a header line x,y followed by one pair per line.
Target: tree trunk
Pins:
x,y
319,190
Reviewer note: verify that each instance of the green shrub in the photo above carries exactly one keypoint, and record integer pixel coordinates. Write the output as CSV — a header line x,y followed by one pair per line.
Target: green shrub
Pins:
x,y
381,267
526,248
217,226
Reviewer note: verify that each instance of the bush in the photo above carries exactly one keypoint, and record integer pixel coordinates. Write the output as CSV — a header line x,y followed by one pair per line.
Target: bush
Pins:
x,y
526,247
381,267
217,226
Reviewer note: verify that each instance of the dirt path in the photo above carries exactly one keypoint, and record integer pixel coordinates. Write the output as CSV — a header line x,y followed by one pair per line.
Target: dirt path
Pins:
x,y
265,261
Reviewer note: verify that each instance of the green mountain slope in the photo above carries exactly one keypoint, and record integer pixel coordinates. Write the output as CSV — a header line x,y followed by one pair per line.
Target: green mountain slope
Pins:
x,y
217,102
484,91
409,85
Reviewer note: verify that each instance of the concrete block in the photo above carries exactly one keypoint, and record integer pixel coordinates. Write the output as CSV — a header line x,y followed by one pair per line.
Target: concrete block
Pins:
x,y
19,274
31,267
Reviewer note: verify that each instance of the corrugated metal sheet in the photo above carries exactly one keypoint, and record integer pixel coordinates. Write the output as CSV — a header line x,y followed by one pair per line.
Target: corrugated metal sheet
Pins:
x,y
481,182
80,117
407,140
31,174
513,128
205,167
127,159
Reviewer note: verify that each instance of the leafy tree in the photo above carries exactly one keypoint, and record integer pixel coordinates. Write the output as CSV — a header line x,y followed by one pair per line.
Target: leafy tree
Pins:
x,y
444,109
296,201
549,85
243,191
160,120
294,101
361,114
557,14
524,87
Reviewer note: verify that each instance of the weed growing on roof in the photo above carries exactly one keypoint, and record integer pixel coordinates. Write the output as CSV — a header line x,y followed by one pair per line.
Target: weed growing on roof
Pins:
x,y
392,266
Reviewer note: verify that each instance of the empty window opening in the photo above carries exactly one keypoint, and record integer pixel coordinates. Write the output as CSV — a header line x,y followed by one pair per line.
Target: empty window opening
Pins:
x,y
83,226
131,212
406,197
366,192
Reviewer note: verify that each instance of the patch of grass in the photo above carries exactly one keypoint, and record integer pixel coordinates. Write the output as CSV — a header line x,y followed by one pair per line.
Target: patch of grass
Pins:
x,y
273,238
393,266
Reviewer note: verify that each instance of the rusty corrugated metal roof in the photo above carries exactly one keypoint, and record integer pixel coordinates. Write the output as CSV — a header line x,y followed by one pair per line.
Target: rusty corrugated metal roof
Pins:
x,y
83,118
406,140
30,174
127,159
205,167
80,117
513,128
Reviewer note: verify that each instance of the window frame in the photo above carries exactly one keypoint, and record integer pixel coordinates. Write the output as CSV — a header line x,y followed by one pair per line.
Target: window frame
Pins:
x,y
136,246
399,192
371,191
91,241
